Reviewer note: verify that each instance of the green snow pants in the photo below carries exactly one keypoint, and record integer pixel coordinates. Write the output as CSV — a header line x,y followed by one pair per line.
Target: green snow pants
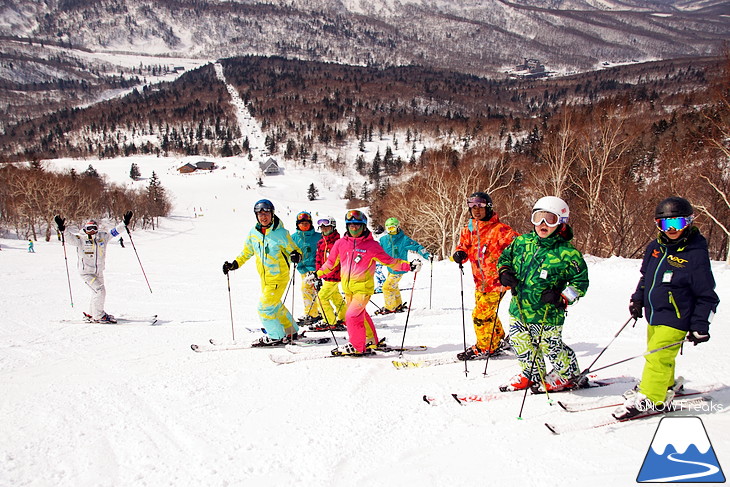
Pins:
x,y
658,375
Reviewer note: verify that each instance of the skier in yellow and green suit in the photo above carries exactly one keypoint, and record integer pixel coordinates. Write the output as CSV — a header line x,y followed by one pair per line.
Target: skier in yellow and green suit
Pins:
x,y
274,250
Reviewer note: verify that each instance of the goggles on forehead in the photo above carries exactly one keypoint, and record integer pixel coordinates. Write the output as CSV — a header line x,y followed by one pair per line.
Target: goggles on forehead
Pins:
x,y
325,222
477,202
550,218
304,216
676,223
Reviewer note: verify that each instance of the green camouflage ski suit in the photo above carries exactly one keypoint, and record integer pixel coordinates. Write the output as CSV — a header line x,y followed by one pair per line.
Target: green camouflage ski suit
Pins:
x,y
540,264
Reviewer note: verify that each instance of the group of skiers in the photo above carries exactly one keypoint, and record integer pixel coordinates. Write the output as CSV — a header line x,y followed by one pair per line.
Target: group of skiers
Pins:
x,y
541,269
325,260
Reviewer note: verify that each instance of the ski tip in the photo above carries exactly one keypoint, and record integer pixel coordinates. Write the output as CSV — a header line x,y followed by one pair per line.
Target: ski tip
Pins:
x,y
427,399
194,347
211,341
456,398
552,428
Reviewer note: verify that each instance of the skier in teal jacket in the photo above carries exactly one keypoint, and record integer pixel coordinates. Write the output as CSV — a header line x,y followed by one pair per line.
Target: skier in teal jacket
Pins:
x,y
397,244
306,239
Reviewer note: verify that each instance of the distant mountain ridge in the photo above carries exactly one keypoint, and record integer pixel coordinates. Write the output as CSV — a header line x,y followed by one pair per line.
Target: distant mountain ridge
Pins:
x,y
475,37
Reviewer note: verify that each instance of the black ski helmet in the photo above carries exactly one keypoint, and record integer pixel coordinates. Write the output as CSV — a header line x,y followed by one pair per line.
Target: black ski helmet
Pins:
x,y
263,205
485,197
672,207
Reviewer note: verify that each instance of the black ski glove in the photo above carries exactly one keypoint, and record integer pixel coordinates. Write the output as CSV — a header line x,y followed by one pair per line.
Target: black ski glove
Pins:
x,y
507,277
636,308
554,297
60,223
229,266
698,337
127,218
416,265
460,256
295,256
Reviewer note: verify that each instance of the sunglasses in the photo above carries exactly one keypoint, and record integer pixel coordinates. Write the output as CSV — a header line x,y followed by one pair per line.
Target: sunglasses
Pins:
x,y
550,219
677,223
325,222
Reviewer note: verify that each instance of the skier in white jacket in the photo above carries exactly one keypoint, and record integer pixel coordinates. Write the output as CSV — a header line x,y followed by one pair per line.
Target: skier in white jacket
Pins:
x,y
91,245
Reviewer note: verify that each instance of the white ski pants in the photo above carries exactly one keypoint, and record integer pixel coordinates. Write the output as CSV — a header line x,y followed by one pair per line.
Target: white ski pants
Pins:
x,y
98,294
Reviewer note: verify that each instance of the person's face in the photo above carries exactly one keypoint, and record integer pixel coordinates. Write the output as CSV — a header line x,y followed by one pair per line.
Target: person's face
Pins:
x,y
326,229
265,218
478,212
304,226
674,234
543,230
355,229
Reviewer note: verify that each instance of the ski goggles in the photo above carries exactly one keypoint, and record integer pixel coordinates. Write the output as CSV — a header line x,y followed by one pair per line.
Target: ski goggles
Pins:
x,y
262,210
392,229
677,223
304,217
356,216
91,228
550,218
325,222
476,202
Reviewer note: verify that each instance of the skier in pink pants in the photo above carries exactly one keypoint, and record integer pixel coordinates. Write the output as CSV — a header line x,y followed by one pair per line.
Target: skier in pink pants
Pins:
x,y
357,253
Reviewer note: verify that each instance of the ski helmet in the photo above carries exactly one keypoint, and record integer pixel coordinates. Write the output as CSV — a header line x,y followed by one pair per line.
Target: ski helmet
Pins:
x,y
392,225
263,205
356,216
672,207
554,205
91,227
304,216
326,222
481,199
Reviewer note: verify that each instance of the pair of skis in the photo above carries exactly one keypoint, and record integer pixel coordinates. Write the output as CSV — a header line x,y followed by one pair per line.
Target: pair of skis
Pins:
x,y
214,345
687,402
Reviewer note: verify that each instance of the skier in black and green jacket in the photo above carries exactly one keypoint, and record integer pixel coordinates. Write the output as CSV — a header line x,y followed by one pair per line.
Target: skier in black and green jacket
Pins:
x,y
677,293
546,274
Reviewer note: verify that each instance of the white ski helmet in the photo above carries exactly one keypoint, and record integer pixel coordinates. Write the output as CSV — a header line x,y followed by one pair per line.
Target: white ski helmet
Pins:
x,y
555,205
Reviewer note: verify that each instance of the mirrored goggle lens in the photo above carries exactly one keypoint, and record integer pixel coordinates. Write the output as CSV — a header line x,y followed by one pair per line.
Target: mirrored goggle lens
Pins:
x,y
550,219
325,222
91,228
476,203
262,210
677,223
392,229
354,215
304,217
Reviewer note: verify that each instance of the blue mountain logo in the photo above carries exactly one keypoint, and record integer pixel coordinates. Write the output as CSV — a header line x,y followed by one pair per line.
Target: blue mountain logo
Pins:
x,y
681,452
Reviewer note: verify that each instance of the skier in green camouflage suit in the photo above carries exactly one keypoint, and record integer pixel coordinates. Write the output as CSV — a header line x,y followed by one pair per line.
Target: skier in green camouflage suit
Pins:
x,y
546,273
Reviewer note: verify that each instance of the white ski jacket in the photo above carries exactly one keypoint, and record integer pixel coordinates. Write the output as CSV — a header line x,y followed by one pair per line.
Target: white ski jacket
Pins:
x,y
91,249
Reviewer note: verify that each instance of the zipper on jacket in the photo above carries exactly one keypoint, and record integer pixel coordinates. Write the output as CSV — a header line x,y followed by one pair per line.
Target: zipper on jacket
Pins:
x,y
653,284
674,303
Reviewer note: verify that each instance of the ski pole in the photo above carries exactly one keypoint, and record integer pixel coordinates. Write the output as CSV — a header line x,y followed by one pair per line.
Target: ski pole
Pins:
x,y
230,307
463,318
491,339
408,314
534,359
324,315
68,277
587,370
642,355
138,260
430,285
379,308
293,292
